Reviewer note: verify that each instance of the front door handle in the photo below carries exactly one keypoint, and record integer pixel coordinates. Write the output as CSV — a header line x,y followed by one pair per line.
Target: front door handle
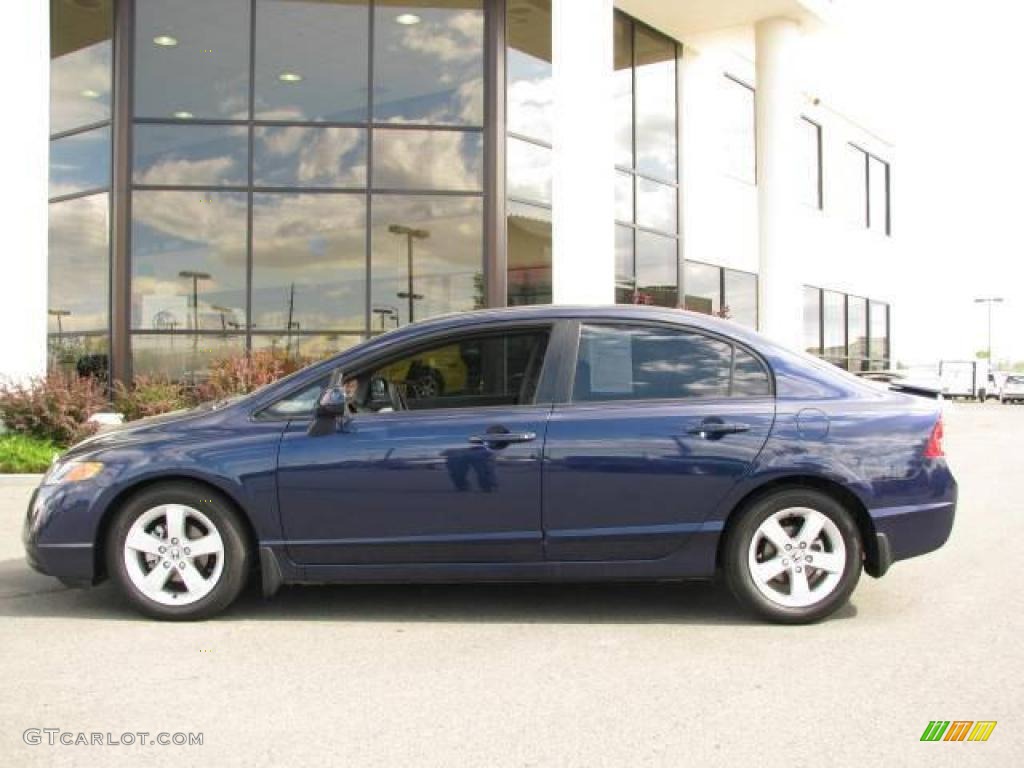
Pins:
x,y
502,438
711,430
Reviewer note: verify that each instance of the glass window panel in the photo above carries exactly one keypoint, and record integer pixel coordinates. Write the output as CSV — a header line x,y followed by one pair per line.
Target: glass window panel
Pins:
x,y
625,266
834,309
740,297
188,260
624,196
429,61
79,264
304,349
414,159
309,262
622,86
623,363
528,68
443,235
192,59
857,192
80,162
466,372
298,156
879,331
529,171
812,320
182,356
655,104
878,180
529,254
655,205
857,326
80,61
703,288
737,131
311,60
657,276
191,155
85,354
749,377
810,163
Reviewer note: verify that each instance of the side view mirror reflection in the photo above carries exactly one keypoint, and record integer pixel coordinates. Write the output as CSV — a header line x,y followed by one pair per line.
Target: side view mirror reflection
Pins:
x,y
331,411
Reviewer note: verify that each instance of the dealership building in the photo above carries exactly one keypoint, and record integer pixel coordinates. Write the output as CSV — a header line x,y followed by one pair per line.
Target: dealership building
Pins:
x,y
298,175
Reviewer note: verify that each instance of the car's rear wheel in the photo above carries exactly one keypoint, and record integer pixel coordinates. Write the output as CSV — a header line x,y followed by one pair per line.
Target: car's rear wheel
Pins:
x,y
794,556
178,551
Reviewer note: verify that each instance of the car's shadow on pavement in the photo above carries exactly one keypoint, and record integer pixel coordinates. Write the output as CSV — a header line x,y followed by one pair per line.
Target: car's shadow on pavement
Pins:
x,y
24,593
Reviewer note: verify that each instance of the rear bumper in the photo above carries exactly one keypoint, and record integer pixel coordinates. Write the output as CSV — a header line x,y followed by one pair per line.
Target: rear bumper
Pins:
x,y
908,531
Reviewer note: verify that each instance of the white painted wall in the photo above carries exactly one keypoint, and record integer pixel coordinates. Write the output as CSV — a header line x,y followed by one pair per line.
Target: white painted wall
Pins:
x,y
24,58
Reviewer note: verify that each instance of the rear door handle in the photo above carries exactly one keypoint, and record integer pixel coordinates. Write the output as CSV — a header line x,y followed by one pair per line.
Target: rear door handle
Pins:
x,y
495,438
712,429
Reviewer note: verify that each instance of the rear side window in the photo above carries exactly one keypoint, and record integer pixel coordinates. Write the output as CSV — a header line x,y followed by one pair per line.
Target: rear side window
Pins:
x,y
637,363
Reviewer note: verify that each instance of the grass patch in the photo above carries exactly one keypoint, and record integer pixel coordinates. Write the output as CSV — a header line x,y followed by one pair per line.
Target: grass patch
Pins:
x,y
20,454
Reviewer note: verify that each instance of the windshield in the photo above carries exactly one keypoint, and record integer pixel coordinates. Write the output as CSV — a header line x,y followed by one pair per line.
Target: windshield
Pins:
x,y
1015,379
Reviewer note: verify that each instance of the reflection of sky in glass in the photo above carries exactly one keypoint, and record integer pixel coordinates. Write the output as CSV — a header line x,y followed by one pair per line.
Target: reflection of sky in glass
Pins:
x,y
622,90
529,254
80,87
703,287
79,262
528,69
529,171
857,321
206,73
314,245
447,264
196,231
415,159
625,262
812,320
312,347
297,156
431,71
741,297
190,155
325,43
623,196
835,324
879,330
80,162
656,269
655,205
181,356
655,105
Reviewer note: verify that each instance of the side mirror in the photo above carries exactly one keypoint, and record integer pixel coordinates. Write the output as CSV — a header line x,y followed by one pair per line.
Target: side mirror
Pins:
x,y
331,411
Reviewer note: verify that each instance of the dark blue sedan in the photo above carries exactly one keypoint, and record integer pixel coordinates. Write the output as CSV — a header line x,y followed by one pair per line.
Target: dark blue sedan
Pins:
x,y
541,444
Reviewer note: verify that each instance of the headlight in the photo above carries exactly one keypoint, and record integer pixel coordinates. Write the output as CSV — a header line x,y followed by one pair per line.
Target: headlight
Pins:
x,y
73,472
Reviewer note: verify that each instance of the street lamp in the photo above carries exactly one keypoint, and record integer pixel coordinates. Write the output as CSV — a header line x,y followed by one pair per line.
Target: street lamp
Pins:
x,y
385,312
410,235
195,277
59,313
989,300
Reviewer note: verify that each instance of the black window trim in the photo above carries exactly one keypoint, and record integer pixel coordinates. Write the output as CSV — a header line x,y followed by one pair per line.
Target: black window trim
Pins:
x,y
569,364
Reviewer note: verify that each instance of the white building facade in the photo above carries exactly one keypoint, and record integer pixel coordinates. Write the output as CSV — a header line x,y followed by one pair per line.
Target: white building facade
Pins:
x,y
237,175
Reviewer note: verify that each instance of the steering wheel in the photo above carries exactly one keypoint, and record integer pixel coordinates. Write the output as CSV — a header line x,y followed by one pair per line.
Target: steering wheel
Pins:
x,y
396,397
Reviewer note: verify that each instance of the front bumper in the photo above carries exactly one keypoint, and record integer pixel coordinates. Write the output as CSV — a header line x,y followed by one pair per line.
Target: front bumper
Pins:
x,y
48,547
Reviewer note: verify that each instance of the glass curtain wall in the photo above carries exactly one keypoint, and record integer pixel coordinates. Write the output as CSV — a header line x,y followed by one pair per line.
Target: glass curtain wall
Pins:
x,y
80,161
305,173
647,244
726,293
849,331
528,108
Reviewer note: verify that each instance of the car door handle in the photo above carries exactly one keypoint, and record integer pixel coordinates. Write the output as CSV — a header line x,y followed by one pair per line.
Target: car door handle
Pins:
x,y
711,429
492,438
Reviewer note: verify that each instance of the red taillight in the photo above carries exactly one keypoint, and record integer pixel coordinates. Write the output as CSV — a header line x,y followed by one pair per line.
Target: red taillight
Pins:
x,y
933,449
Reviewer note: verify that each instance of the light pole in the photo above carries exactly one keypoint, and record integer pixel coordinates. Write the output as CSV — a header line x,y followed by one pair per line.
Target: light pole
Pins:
x,y
385,312
410,235
989,300
59,313
195,277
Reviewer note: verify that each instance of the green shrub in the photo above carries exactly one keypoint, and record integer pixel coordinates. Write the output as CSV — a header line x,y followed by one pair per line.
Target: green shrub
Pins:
x,y
241,375
55,408
23,454
149,396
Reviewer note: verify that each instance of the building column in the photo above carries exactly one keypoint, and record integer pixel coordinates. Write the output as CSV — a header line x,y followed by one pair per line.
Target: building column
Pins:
x,y
583,166
24,156
778,103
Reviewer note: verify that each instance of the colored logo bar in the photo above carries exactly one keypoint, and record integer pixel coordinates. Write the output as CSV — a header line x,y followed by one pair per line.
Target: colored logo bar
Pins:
x,y
958,730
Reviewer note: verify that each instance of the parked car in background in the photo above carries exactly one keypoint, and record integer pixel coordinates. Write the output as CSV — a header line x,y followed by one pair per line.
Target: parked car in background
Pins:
x,y
1012,390
582,444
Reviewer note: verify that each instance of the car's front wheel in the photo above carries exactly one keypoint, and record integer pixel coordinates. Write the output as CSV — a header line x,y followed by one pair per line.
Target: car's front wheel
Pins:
x,y
794,556
178,551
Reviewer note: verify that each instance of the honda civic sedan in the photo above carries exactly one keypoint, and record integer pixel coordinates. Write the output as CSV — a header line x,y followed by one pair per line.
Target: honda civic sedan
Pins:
x,y
553,444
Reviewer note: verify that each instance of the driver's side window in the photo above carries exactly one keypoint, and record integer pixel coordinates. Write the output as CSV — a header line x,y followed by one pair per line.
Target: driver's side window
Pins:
x,y
472,371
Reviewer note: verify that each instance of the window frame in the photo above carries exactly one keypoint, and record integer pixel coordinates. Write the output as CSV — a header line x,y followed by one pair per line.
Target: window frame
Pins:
x,y
819,164
570,363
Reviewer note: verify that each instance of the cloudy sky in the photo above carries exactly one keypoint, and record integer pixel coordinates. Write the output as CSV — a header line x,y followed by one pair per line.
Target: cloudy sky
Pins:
x,y
942,80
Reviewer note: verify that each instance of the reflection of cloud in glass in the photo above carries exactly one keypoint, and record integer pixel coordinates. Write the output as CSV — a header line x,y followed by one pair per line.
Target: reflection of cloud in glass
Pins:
x,y
310,157
414,159
190,155
80,87
80,162
529,171
79,262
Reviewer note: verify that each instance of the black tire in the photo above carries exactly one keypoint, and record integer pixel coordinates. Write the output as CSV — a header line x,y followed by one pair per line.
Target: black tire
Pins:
x,y
738,541
220,512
